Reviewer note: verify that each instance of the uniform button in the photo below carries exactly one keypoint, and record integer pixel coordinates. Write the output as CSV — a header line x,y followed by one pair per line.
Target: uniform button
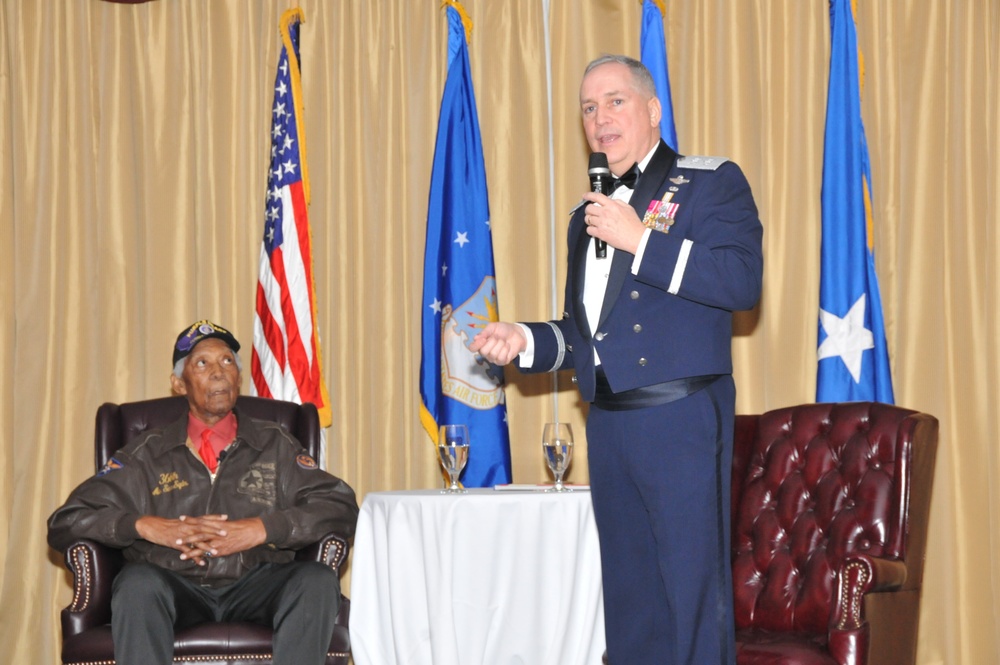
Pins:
x,y
573,378
637,328
634,295
599,336
642,362
569,347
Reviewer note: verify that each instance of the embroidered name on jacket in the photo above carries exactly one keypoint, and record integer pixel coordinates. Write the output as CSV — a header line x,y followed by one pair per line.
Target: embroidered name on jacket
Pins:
x,y
258,483
168,483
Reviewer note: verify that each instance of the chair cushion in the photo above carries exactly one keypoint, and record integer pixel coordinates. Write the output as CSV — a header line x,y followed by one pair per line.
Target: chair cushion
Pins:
x,y
233,643
765,648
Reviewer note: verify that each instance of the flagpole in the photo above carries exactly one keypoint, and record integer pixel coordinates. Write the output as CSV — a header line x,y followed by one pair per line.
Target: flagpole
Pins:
x,y
553,241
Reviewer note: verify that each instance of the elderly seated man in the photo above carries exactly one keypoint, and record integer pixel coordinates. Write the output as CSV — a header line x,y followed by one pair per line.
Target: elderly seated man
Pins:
x,y
209,512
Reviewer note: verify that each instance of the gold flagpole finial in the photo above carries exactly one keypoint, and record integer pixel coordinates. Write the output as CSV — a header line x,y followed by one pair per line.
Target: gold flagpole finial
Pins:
x,y
293,14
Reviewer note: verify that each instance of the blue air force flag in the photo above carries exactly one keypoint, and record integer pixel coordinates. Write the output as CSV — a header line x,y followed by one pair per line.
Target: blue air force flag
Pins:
x,y
460,298
653,53
853,361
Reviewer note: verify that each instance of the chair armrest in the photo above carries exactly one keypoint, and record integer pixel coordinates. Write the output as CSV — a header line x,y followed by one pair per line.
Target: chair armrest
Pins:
x,y
94,567
860,574
330,550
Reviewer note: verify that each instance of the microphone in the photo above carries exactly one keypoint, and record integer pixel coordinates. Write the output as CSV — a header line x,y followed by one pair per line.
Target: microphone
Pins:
x,y
601,181
222,454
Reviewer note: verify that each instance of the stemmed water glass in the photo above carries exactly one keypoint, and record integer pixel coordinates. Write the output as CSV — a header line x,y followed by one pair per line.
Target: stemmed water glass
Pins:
x,y
557,444
453,451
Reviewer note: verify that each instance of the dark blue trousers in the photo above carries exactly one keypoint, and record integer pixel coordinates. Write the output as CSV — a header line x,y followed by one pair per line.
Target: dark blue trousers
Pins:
x,y
298,600
660,484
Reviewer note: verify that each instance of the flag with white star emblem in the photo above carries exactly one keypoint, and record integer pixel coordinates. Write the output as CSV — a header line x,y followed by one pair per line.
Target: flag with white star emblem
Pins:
x,y
286,358
653,53
458,387
853,357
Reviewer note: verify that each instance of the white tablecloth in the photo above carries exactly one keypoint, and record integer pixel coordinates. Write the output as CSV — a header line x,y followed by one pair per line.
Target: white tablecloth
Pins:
x,y
483,578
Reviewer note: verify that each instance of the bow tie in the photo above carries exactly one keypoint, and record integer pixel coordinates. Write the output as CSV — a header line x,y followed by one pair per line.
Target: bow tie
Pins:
x,y
628,178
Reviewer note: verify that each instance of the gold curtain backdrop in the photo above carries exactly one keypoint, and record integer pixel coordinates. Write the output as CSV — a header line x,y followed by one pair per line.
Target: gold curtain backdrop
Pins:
x,y
133,154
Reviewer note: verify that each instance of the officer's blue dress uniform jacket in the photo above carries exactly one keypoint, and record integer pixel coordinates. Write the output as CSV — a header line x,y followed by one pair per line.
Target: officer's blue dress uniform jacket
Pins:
x,y
674,318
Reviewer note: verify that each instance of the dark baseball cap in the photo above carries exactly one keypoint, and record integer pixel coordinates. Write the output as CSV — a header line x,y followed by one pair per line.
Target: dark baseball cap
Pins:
x,y
199,331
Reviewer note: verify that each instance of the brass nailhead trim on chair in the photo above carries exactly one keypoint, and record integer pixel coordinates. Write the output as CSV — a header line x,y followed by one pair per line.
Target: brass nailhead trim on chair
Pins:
x,y
854,611
336,558
208,659
81,571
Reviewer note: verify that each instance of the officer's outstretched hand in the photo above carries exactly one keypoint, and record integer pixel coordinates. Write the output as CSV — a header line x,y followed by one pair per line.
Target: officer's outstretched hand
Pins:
x,y
499,342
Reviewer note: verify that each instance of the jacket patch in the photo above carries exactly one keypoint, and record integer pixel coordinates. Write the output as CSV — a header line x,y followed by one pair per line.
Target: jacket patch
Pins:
x,y
306,462
111,465
258,484
168,483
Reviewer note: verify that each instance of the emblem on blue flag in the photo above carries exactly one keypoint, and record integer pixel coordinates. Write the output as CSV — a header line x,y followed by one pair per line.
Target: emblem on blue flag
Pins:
x,y
466,376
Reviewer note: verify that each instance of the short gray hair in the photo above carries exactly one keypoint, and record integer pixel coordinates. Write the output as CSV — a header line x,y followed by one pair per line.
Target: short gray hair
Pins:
x,y
641,77
179,365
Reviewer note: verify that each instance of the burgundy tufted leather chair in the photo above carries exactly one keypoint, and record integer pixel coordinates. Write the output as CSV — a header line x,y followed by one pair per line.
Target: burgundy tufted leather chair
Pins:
x,y
85,621
830,509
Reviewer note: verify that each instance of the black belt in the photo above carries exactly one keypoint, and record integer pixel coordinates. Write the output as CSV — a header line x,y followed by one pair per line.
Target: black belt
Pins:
x,y
646,396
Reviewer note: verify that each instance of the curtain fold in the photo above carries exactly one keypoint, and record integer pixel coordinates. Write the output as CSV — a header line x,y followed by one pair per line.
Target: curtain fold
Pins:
x,y
8,342
133,150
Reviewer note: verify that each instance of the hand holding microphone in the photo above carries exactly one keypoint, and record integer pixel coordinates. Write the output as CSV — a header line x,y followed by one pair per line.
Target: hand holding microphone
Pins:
x,y
601,181
618,221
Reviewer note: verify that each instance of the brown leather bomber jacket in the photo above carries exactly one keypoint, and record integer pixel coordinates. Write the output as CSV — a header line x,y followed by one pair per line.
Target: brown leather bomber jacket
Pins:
x,y
265,473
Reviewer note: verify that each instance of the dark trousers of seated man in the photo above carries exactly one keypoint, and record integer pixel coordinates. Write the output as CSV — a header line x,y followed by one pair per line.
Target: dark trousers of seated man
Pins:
x,y
298,600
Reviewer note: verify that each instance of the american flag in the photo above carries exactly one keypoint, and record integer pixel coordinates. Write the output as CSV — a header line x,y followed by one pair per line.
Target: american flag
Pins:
x,y
286,352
